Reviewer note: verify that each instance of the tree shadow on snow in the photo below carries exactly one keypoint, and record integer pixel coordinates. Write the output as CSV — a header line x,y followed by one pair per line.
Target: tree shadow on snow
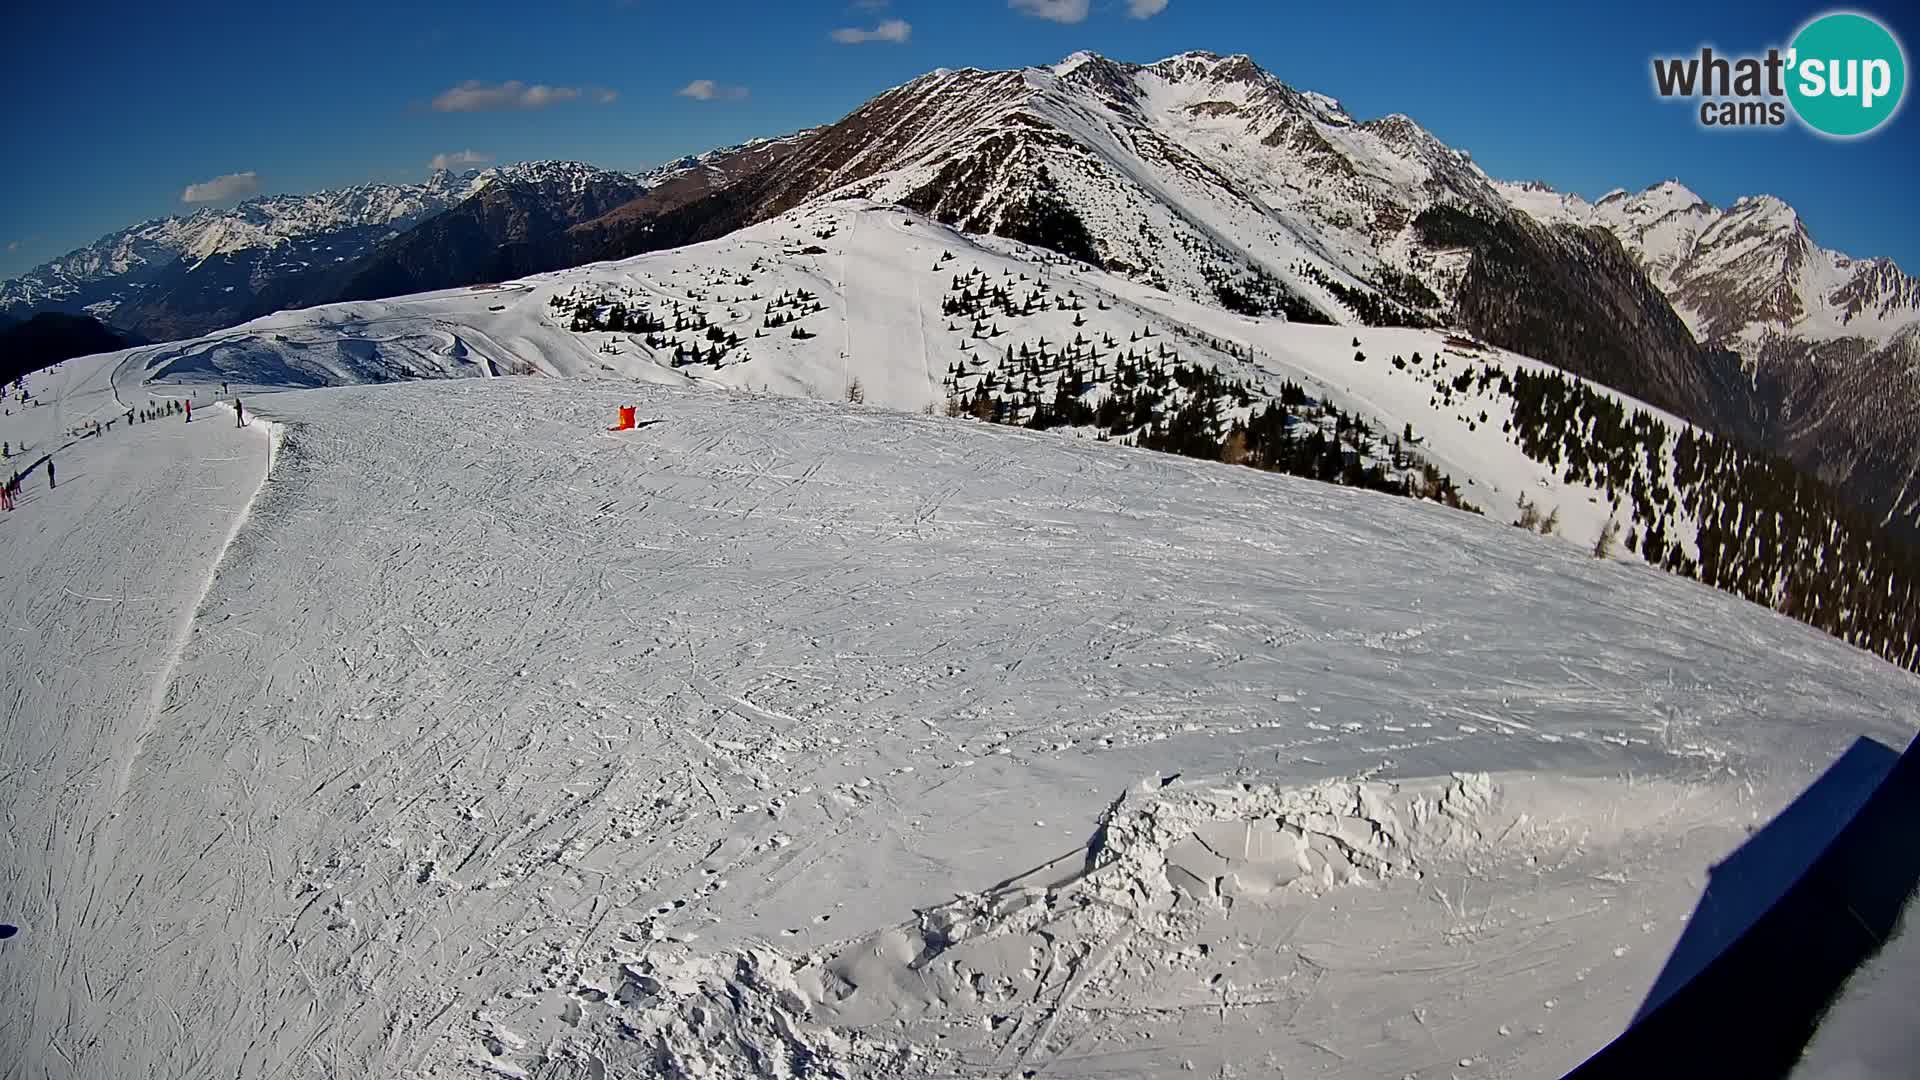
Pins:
x,y
1783,922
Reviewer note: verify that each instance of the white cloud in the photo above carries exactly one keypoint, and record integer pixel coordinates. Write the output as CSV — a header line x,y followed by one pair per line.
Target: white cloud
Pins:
x,y
895,31
222,188
708,90
459,160
1060,11
1145,9
476,96
13,245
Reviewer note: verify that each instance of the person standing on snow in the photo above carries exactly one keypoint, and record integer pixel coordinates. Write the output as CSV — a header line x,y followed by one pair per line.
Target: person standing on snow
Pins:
x,y
239,414
189,411
51,483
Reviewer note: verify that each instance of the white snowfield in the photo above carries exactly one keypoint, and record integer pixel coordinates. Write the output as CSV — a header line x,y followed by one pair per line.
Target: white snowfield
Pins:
x,y
435,731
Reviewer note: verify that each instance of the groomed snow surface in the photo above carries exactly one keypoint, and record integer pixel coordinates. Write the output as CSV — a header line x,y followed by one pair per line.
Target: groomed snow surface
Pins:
x,y
435,731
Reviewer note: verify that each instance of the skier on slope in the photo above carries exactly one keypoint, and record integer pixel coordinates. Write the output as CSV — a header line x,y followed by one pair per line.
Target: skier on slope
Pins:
x,y
189,410
51,483
239,414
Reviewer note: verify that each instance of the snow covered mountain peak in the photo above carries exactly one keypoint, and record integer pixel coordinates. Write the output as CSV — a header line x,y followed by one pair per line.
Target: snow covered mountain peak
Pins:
x,y
1743,275
168,276
1200,172
1673,193
1769,208
558,176
448,184
269,230
1073,62
1202,64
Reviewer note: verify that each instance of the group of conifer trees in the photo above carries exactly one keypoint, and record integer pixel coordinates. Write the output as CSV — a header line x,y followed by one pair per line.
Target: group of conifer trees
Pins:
x,y
1764,530
1157,401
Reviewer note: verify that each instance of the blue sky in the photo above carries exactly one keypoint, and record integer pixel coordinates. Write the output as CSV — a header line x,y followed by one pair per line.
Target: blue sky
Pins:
x,y
116,109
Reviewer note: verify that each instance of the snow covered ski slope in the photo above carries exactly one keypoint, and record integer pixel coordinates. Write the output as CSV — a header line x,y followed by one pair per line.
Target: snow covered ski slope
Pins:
x,y
791,738
845,293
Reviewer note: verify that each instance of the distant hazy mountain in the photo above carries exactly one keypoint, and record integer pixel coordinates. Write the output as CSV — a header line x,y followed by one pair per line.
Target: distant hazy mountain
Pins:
x,y
179,276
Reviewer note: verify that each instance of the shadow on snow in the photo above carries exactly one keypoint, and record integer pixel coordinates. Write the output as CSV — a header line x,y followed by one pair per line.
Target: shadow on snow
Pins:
x,y
1782,924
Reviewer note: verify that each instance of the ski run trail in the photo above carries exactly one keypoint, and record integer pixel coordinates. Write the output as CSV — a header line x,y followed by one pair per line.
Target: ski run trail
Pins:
x,y
432,730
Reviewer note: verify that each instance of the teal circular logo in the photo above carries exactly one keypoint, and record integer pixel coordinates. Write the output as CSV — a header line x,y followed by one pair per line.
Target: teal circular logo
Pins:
x,y
1847,74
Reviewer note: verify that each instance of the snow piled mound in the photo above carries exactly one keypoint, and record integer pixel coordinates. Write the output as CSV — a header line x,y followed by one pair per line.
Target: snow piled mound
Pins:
x,y
1123,914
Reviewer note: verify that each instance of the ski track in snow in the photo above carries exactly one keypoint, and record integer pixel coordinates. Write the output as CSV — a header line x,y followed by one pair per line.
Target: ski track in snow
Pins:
x,y
780,735
105,573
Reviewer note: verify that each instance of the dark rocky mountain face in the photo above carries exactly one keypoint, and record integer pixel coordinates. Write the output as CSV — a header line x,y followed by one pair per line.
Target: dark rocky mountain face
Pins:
x,y
505,231
679,184
1842,410
511,227
530,219
1573,296
1849,413
50,337
227,287
1825,342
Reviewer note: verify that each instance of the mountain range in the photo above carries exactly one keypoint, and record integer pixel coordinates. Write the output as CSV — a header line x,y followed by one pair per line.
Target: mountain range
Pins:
x,y
1209,177
1829,345
1203,175
176,277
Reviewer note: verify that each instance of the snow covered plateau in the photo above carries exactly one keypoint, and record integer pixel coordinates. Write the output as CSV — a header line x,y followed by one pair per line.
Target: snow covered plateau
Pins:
x,y
424,727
